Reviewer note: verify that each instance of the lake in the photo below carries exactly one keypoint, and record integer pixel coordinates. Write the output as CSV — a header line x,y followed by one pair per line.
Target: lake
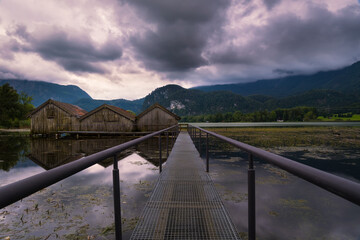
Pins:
x,y
287,206
81,206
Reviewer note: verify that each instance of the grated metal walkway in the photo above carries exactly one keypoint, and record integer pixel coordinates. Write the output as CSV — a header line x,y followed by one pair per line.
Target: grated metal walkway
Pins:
x,y
184,203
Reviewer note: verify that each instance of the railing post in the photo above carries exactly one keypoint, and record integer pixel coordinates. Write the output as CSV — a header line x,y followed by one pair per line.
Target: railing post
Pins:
x,y
160,160
172,137
117,202
251,200
200,142
207,152
195,135
167,144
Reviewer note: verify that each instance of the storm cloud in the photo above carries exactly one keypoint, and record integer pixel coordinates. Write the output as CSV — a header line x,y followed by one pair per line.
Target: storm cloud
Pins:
x,y
182,31
76,53
135,46
271,3
301,44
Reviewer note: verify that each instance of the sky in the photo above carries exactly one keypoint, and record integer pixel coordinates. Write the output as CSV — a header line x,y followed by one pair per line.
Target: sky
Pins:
x,y
127,48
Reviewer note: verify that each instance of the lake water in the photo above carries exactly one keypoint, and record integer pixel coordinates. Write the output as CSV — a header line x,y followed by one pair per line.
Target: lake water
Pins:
x,y
287,206
81,206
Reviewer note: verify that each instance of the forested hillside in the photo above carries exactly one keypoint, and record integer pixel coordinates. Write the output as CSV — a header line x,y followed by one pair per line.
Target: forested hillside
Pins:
x,y
345,80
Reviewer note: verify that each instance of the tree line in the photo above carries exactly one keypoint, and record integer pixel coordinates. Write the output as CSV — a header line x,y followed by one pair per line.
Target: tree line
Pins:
x,y
296,114
14,107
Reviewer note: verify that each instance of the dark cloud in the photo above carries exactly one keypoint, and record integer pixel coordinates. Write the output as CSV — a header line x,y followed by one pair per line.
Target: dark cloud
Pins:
x,y
18,30
183,29
75,54
320,39
172,48
201,11
80,66
270,4
8,48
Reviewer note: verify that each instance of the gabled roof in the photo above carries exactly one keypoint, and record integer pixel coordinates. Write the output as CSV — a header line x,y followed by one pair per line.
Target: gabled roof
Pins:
x,y
115,109
156,105
73,110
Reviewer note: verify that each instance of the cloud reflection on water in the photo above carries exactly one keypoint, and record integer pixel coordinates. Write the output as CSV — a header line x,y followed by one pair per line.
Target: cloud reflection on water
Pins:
x,y
287,207
81,205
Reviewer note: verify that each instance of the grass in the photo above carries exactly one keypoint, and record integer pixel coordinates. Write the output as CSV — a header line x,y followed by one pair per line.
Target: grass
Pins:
x,y
355,117
343,137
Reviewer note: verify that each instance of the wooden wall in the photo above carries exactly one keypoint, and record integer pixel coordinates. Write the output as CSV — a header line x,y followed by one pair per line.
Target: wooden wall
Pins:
x,y
106,120
51,119
155,120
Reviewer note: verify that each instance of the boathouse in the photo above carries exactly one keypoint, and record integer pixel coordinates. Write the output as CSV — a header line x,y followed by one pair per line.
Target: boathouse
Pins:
x,y
155,118
108,118
53,116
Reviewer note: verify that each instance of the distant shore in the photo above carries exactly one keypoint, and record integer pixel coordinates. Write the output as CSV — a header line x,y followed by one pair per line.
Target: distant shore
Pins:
x,y
15,130
279,124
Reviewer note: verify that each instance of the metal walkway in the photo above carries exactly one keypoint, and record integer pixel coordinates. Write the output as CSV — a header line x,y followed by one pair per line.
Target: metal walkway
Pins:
x,y
184,203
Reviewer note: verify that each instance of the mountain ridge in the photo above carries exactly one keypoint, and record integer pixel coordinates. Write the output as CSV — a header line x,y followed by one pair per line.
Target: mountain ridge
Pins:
x,y
331,89
186,102
90,104
346,80
42,91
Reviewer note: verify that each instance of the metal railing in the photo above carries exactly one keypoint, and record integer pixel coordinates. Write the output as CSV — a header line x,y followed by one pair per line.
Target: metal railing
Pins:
x,y
342,187
16,191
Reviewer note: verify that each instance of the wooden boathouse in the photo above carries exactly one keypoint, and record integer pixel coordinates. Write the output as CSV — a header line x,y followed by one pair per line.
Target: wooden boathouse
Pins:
x,y
155,118
107,118
53,116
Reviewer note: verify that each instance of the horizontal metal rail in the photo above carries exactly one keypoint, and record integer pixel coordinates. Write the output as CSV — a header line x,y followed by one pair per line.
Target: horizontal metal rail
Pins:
x,y
18,190
340,186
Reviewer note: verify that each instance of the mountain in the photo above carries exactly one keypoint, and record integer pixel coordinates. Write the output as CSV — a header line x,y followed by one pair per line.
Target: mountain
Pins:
x,y
314,98
346,80
89,104
192,102
338,89
195,102
42,91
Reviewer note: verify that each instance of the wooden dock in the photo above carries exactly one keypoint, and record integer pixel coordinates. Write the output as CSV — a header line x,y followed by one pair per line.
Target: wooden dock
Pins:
x,y
103,133
184,203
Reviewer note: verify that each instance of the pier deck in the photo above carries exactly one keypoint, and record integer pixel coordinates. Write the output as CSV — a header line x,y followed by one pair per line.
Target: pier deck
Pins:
x,y
184,203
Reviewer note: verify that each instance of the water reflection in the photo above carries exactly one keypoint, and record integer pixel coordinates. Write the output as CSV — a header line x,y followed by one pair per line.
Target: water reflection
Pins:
x,y
287,206
80,206
13,148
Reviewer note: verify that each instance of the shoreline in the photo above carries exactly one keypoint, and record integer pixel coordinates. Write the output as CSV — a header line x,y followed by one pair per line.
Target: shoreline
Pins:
x,y
15,130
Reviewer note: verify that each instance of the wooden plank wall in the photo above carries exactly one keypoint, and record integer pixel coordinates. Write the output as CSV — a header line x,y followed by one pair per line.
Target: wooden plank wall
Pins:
x,y
155,120
106,120
51,119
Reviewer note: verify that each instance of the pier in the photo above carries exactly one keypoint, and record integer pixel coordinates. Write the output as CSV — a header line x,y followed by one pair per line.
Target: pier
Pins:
x,y
184,203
